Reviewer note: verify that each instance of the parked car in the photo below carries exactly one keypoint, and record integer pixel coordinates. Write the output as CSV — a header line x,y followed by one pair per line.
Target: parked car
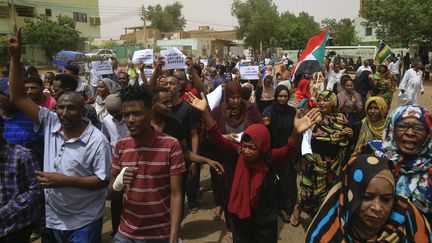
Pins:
x,y
105,53
64,57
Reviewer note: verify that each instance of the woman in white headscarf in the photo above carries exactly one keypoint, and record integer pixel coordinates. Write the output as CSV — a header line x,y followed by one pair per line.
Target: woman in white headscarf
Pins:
x,y
105,87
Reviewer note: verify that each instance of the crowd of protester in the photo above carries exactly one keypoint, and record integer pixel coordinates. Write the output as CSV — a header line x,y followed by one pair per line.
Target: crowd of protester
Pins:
x,y
68,145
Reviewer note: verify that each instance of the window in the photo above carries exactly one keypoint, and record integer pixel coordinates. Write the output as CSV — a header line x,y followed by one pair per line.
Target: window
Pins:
x,y
48,12
80,17
4,11
368,31
94,20
24,11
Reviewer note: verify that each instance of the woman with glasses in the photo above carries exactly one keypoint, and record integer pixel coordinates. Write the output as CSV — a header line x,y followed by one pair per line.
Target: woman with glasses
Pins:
x,y
407,144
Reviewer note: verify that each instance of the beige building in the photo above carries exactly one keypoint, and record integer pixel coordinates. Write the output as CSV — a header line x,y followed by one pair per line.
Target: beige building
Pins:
x,y
84,12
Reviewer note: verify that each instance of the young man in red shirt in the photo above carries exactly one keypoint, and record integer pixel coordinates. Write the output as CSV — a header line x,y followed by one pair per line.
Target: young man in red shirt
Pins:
x,y
149,165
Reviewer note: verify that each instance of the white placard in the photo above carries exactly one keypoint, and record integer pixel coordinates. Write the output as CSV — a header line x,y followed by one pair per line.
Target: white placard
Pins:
x,y
204,61
173,59
102,67
249,72
143,56
215,97
238,137
148,72
306,147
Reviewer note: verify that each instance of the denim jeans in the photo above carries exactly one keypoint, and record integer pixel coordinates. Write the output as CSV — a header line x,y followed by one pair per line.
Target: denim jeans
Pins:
x,y
90,233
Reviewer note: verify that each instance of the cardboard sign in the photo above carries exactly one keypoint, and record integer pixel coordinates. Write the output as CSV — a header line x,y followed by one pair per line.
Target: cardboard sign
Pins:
x,y
215,97
102,67
173,58
204,61
148,72
249,72
143,56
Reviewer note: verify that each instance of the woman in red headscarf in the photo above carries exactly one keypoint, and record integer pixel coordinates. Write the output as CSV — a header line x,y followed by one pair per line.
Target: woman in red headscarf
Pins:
x,y
253,192
303,92
232,117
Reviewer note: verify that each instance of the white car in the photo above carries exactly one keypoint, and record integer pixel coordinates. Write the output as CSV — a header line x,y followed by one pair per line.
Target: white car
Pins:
x,y
105,53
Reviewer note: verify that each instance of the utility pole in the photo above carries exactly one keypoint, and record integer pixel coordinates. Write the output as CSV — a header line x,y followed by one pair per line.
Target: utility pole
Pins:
x,y
143,17
13,12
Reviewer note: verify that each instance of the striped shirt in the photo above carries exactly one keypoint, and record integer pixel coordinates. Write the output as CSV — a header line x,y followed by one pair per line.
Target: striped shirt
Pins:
x,y
146,201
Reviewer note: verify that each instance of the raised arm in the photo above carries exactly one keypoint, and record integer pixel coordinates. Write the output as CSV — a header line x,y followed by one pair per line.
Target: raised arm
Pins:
x,y
215,136
17,91
199,86
156,72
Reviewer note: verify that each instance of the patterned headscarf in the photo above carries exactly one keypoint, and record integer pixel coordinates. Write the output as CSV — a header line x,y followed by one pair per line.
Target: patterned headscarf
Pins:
x,y
331,96
414,172
334,221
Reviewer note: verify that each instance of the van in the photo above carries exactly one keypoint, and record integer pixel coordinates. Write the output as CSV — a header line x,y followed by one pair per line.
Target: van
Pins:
x,y
62,58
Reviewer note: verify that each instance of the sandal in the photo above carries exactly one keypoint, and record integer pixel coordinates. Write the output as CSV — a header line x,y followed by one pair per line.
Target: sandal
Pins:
x,y
217,213
295,216
284,216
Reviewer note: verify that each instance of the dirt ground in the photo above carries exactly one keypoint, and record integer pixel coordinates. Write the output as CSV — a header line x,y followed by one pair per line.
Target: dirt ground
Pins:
x,y
199,227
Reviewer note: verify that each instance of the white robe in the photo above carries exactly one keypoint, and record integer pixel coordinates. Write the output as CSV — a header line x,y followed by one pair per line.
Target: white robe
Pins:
x,y
412,83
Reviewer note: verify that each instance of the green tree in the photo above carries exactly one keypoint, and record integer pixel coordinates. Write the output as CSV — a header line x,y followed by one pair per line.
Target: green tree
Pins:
x,y
403,21
342,31
294,31
258,21
168,18
52,35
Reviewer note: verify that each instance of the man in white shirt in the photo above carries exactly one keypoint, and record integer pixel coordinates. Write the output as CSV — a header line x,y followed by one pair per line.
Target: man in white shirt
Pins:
x,y
411,86
393,66
334,77
364,67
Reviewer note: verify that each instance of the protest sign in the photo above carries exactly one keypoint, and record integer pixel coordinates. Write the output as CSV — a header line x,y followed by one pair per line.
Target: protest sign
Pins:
x,y
215,97
102,67
143,56
249,72
204,61
148,72
173,59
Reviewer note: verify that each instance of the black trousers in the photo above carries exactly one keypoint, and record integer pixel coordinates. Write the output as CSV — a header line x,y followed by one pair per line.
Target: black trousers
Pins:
x,y
116,208
19,236
254,230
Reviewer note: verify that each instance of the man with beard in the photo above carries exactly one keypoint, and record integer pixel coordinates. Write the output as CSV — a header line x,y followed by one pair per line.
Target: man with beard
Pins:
x,y
77,159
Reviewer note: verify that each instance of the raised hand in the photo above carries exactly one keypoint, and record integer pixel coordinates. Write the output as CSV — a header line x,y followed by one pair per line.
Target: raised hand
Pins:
x,y
14,43
195,102
304,123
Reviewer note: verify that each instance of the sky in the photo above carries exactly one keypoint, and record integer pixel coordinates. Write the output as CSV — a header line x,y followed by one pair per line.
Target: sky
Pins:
x,y
117,14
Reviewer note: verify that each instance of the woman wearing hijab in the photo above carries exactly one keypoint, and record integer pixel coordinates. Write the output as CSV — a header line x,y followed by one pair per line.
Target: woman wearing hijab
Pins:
x,y
383,84
363,207
105,87
253,191
330,138
233,116
373,124
407,144
264,94
350,103
279,119
362,85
